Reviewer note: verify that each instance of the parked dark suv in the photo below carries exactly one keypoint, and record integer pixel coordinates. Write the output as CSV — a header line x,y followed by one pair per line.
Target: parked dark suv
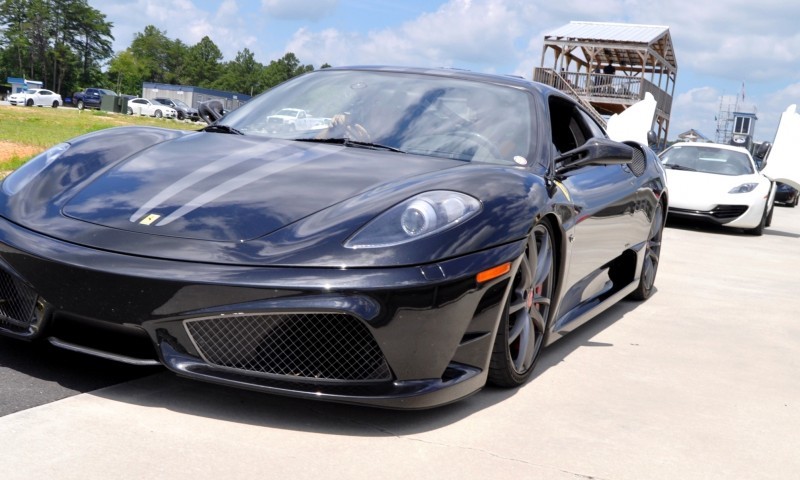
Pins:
x,y
184,111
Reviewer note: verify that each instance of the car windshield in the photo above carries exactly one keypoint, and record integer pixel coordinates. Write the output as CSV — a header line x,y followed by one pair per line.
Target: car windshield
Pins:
x,y
180,103
412,113
721,161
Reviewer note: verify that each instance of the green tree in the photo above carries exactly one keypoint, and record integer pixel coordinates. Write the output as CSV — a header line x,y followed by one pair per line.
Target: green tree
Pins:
x,y
278,71
156,54
202,64
60,42
126,73
242,75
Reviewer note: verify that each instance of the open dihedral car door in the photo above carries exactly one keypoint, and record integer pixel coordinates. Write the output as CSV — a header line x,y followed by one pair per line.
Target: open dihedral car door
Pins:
x,y
783,161
634,123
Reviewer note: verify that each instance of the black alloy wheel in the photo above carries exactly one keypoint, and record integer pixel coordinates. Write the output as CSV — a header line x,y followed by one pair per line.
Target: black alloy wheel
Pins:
x,y
652,255
521,334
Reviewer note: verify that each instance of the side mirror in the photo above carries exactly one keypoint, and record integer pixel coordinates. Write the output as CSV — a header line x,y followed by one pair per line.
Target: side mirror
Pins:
x,y
211,111
652,138
597,151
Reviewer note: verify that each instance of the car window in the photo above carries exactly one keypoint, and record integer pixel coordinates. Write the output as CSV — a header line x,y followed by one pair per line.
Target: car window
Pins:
x,y
569,125
421,114
721,161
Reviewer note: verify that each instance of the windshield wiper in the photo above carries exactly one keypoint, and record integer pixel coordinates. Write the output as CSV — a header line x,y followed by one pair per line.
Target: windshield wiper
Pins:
x,y
675,166
349,142
222,129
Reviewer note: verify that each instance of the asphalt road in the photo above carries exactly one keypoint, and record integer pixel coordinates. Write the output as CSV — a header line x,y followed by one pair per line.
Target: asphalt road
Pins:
x,y
699,382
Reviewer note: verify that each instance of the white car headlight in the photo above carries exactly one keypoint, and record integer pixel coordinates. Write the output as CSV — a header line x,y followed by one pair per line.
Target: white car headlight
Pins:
x,y
418,217
744,188
24,174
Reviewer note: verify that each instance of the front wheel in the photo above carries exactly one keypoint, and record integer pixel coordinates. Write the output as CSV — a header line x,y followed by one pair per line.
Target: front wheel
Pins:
x,y
522,331
29,102
759,229
130,111
158,114
55,103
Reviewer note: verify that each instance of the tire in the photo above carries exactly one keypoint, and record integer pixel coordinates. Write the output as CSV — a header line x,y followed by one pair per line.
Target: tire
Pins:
x,y
81,106
180,115
759,229
652,256
29,103
769,216
522,332
130,111
55,103
158,114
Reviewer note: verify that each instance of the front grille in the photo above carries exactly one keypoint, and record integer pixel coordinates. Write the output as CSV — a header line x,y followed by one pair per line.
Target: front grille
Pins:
x,y
17,304
728,211
313,346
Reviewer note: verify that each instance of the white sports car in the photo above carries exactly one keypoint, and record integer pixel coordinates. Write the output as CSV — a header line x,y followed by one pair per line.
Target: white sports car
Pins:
x,y
721,183
718,183
36,96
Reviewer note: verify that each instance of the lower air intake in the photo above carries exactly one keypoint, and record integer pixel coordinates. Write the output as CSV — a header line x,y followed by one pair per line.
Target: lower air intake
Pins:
x,y
313,346
17,305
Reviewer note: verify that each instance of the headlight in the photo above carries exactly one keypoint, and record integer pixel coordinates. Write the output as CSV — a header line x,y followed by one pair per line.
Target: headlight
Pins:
x,y
744,188
418,217
24,174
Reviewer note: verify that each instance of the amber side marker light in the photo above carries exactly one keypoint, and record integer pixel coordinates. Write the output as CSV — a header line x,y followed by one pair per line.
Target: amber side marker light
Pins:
x,y
493,272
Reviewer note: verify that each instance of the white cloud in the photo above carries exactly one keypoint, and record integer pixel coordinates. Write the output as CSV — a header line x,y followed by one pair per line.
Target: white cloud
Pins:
x,y
459,33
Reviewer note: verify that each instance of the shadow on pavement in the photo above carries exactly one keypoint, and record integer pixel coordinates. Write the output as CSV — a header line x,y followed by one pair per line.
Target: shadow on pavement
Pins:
x,y
37,373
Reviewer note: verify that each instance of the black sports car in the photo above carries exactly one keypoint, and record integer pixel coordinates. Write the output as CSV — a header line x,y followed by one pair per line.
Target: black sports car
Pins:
x,y
422,232
786,195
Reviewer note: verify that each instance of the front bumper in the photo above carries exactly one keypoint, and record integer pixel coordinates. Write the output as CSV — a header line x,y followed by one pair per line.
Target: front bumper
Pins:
x,y
410,337
720,214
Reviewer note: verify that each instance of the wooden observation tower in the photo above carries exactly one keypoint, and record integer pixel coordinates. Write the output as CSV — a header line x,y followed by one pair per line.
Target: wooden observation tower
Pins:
x,y
610,66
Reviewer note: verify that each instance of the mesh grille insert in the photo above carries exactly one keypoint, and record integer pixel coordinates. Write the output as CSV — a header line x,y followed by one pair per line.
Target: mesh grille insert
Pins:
x,y
17,304
638,164
314,346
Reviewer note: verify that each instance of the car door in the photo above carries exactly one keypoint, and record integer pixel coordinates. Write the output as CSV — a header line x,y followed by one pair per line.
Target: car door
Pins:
x,y
604,198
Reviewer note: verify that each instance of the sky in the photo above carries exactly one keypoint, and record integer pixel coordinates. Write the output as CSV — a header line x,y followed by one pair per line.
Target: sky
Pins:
x,y
729,52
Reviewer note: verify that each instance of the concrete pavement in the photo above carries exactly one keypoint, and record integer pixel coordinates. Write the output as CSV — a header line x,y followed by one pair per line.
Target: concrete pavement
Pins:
x,y
699,382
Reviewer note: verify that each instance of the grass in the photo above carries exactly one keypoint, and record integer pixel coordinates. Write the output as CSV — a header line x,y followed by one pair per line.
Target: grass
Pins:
x,y
34,129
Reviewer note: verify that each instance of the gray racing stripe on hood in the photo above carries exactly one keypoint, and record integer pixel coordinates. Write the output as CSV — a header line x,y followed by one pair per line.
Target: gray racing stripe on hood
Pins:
x,y
251,176
199,175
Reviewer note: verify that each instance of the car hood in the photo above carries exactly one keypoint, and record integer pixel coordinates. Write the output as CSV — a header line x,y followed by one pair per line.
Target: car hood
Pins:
x,y
231,188
703,191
